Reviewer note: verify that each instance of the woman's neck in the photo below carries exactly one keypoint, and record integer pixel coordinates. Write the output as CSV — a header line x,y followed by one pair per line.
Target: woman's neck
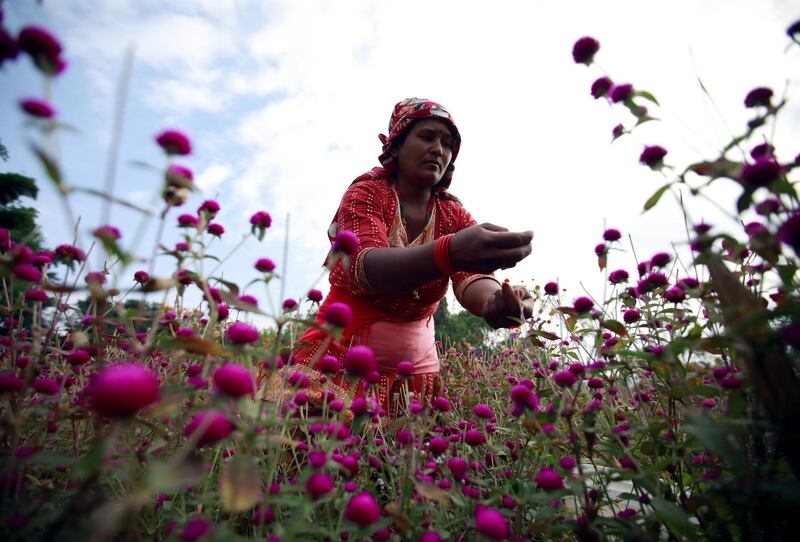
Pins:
x,y
413,195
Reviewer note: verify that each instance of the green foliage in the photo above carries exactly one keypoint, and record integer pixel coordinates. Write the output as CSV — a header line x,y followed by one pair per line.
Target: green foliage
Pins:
x,y
19,219
459,329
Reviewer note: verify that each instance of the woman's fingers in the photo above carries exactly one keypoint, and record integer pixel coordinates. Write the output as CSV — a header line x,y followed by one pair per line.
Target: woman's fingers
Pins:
x,y
512,239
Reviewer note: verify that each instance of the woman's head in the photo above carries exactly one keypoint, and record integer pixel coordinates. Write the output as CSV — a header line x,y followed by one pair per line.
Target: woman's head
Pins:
x,y
423,154
404,117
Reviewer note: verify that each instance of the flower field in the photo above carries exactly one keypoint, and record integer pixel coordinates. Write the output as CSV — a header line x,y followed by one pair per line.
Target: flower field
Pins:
x,y
669,410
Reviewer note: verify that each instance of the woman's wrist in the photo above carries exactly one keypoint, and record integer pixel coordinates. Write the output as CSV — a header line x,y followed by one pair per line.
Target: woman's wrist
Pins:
x,y
442,256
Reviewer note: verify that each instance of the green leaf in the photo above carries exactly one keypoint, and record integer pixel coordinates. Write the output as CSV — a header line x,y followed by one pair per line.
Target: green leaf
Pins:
x,y
615,326
49,164
646,95
673,517
651,202
745,200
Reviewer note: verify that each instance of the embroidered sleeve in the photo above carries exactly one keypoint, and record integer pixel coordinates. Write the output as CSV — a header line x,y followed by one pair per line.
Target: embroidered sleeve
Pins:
x,y
461,279
362,212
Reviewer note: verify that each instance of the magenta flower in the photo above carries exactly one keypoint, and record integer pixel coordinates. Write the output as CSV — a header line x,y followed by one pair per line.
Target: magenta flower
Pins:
x,y
318,485
174,142
473,437
9,48
620,93
359,361
10,383
289,303
363,509
265,265
441,404
660,259
95,278
69,254
240,332
405,369
27,272
564,379
438,445
180,175
458,467
551,288
600,249
248,300
584,50
759,96
215,229
313,295
43,48
46,386
223,311
548,479
107,233
653,156
762,172
78,357
123,390
328,365
631,316
194,529
38,108
762,150
491,523
430,536
261,219
626,462
612,234
346,242
582,305
234,380
789,232
214,425
567,462
34,294
483,411
674,294
618,276
601,86
338,315
187,221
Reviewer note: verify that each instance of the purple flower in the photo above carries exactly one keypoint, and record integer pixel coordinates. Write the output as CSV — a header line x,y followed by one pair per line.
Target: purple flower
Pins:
x,y
34,294
441,404
180,175
601,86
758,96
107,233
660,259
25,271
195,528
318,485
123,390
95,278
289,303
548,479
187,221
359,361
234,380
620,93
174,142
338,315
43,48
346,242
217,427
215,229
37,108
313,295
141,277
564,379
601,249
653,156
618,276
631,316
491,523
69,254
362,509
762,150
261,219
265,265
240,333
483,411
674,294
789,232
9,48
551,288
584,50
582,305
762,172
612,234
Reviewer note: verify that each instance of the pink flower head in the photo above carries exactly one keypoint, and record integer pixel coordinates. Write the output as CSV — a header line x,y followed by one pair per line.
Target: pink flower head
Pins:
x,y
473,437
69,254
441,404
458,467
601,249
78,357
234,380
179,175
620,93
318,485
38,108
46,386
215,229
123,390
174,142
261,219
34,294
612,234
314,295
789,232
762,172
405,369
346,242
223,311
338,315
652,281
10,383
483,411
211,425
327,365
653,156
674,294
141,276
548,479
618,276
759,96
491,523
582,305
601,86
265,265
248,300
762,150
359,361
565,379
584,50
187,220
551,288
438,445
660,259
363,509
95,278
27,272
43,48
289,304
9,47
631,316
195,528
107,233
240,332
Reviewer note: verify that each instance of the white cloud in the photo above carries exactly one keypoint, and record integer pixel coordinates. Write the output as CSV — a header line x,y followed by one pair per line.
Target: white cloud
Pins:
x,y
209,180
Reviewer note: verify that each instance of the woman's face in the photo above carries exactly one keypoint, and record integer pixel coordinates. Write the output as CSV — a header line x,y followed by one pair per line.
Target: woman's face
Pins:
x,y
423,157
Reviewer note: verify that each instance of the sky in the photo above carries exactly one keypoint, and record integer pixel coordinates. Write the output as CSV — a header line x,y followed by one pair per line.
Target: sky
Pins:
x,y
284,100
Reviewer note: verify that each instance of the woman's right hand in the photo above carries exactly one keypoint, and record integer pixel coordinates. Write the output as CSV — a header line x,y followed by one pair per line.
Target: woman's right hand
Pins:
x,y
485,248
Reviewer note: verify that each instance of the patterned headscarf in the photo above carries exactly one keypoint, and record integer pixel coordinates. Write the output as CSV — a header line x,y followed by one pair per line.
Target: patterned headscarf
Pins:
x,y
405,113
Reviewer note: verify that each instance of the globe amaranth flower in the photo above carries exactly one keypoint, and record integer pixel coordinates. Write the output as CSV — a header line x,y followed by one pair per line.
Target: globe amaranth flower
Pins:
x,y
95,278
651,282
174,142
318,485
34,294
208,427
327,365
314,295
491,523
43,48
551,288
9,47
346,242
195,528
789,232
179,175
38,108
261,219
234,380
359,361
248,300
240,332
631,316
601,86
582,305
123,390
548,479
362,509
653,156
107,233
601,249
483,411
565,379
674,294
27,272
289,303
215,229
441,404
618,276
338,315
768,207
265,265
612,234
584,49
69,254
660,259
762,172
759,96
187,221
438,445
620,93
762,150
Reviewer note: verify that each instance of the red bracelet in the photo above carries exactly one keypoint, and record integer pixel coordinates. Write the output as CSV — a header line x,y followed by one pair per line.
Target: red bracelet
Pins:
x,y
441,253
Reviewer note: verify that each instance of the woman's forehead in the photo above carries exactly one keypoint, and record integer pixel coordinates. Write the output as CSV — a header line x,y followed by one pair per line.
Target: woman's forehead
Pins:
x,y
431,124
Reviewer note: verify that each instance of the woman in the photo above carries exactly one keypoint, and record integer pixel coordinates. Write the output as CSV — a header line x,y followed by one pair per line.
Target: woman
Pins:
x,y
414,237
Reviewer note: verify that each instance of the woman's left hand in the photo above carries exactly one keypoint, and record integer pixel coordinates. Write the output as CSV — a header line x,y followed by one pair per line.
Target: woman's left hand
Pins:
x,y
508,307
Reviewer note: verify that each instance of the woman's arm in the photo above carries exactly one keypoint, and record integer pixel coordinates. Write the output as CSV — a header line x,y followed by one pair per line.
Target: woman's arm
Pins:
x,y
500,306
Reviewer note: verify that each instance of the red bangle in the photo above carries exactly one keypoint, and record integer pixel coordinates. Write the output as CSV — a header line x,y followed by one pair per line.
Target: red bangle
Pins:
x,y
441,253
